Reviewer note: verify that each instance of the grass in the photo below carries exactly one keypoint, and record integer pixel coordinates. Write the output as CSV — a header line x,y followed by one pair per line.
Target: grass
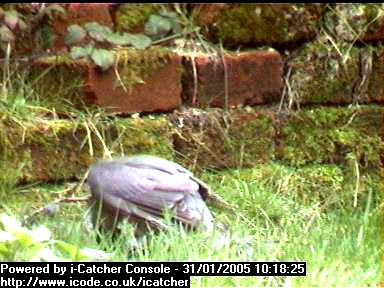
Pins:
x,y
272,223
274,213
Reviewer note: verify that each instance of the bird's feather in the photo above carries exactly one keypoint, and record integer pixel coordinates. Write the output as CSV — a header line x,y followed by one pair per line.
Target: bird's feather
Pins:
x,y
146,186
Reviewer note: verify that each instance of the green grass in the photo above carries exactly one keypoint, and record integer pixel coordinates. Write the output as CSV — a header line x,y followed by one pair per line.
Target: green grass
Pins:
x,y
322,214
271,221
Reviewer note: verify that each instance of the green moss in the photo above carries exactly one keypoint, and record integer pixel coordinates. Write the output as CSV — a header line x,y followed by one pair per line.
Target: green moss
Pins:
x,y
52,150
332,135
10,166
352,21
265,24
142,136
322,75
252,136
343,136
219,140
130,16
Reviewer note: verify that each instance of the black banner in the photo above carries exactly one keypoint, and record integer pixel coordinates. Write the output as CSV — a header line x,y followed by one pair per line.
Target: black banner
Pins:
x,y
134,274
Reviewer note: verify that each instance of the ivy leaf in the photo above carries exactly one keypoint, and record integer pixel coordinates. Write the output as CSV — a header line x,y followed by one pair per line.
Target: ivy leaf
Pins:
x,y
75,34
97,31
95,253
103,58
138,41
168,14
47,254
6,236
68,249
11,17
157,26
118,39
10,223
40,233
80,52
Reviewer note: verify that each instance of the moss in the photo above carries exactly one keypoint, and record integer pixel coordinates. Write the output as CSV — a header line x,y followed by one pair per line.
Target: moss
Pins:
x,y
252,136
142,135
59,149
332,135
266,24
10,166
136,65
131,16
356,21
321,75
219,140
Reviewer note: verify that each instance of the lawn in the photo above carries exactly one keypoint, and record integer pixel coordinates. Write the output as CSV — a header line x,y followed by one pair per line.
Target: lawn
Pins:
x,y
270,212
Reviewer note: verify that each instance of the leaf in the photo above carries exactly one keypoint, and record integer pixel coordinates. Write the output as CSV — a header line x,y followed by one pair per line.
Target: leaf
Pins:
x,y
168,14
10,223
6,236
47,254
157,26
80,52
139,41
67,249
39,234
176,28
97,31
75,33
118,39
6,35
95,254
11,17
75,254
30,251
103,58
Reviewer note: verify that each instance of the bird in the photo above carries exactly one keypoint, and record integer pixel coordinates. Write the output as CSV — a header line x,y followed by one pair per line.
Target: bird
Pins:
x,y
141,188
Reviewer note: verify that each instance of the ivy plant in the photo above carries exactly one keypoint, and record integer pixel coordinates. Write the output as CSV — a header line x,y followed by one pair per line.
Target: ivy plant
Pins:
x,y
104,58
18,243
162,24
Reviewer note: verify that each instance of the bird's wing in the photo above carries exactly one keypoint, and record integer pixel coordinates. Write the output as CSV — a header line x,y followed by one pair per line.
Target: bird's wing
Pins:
x,y
156,163
148,161
153,190
147,192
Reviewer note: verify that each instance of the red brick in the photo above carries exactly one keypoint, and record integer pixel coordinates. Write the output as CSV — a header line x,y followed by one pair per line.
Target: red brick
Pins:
x,y
160,92
252,78
207,13
80,14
